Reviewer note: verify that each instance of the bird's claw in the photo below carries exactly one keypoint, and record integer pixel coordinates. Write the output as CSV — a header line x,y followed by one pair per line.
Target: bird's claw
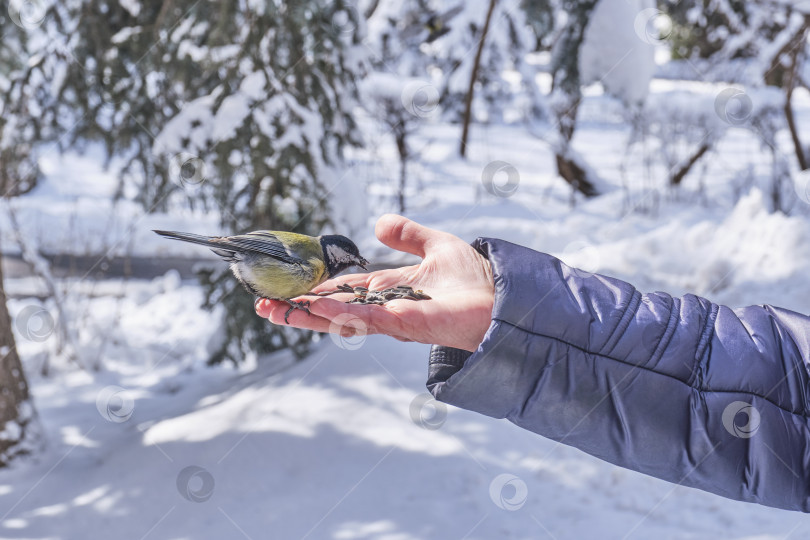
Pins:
x,y
303,305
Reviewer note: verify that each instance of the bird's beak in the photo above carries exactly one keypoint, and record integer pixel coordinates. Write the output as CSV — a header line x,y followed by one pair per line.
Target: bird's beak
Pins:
x,y
362,263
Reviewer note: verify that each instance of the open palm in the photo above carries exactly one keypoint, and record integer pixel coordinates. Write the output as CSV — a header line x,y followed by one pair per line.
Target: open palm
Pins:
x,y
457,278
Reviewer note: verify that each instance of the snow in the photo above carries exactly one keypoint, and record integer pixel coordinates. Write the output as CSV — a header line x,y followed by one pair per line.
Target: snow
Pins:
x,y
613,53
347,444
11,431
133,6
388,86
125,34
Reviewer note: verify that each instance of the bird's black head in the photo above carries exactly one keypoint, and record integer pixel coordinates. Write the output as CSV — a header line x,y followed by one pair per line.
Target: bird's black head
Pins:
x,y
340,253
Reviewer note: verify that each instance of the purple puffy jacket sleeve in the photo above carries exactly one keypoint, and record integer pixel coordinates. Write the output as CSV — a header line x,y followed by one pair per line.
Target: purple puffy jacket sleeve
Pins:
x,y
678,388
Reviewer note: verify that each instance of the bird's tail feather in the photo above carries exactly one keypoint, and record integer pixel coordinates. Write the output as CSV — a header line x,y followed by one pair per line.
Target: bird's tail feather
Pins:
x,y
194,239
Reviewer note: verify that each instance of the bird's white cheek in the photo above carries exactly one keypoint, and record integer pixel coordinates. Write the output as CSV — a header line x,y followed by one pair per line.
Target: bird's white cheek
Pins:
x,y
337,254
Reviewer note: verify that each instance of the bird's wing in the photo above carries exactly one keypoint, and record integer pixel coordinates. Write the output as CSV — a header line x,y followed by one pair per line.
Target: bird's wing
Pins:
x,y
260,242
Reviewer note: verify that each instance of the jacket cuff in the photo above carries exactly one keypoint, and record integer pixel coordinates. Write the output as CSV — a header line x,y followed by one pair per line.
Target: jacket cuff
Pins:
x,y
441,355
445,362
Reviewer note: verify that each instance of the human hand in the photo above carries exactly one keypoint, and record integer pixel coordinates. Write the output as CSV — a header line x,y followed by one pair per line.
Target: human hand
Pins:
x,y
456,277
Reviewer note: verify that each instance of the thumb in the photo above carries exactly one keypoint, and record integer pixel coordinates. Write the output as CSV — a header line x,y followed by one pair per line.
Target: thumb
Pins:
x,y
402,234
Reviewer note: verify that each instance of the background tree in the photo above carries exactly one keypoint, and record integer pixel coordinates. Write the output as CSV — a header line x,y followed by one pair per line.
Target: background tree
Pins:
x,y
468,100
18,424
481,41
17,417
567,93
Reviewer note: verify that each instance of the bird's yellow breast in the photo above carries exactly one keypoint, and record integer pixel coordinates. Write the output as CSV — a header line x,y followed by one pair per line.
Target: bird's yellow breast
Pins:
x,y
275,279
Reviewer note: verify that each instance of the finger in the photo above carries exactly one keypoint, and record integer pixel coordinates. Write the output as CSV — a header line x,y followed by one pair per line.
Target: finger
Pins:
x,y
403,234
276,310
263,307
346,325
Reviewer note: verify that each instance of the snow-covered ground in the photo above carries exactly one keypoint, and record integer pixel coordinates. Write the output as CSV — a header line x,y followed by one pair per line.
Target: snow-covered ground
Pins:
x,y
345,445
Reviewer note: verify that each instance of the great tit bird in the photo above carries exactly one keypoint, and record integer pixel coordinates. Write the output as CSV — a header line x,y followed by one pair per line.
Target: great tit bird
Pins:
x,y
280,265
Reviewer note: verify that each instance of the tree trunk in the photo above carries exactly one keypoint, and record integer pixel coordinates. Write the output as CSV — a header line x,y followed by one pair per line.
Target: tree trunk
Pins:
x,y
678,176
16,409
575,175
465,130
565,84
402,148
791,122
786,77
794,133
